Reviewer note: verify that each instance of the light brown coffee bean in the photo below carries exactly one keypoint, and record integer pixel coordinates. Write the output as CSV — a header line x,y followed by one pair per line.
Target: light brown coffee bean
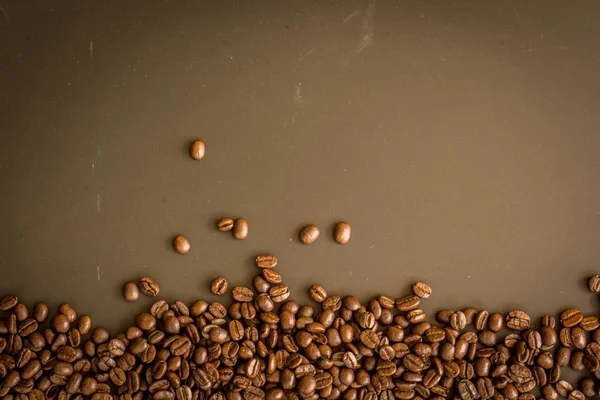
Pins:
x,y
342,232
267,261
309,234
225,224
197,149
181,244
594,283
240,229
131,292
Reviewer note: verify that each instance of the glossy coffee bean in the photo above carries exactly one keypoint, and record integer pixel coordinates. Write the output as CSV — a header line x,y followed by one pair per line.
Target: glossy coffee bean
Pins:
x,y
181,244
342,232
219,286
131,292
309,234
225,224
240,229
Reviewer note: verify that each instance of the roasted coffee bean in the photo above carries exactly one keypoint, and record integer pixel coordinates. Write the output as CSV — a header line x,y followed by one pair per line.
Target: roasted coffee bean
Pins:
x,y
60,323
181,244
272,276
242,294
197,149
407,303
309,234
130,291
341,233
240,229
8,302
422,290
40,312
458,321
317,293
225,224
517,320
590,323
267,261
149,287
570,317
279,293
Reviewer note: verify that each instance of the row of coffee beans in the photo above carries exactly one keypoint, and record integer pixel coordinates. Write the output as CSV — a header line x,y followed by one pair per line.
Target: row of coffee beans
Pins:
x,y
262,345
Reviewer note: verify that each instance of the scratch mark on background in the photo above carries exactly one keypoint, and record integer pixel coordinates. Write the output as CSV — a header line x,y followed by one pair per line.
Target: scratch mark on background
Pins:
x,y
306,55
98,271
91,49
298,99
367,27
4,11
93,168
353,14
98,202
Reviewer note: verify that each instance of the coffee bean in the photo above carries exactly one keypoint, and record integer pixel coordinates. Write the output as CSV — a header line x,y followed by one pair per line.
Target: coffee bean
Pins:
x,y
458,321
279,293
517,320
240,229
407,303
130,291
242,294
219,286
594,283
272,276
309,234
148,286
197,149
590,323
181,244
495,322
341,232
225,224
267,261
422,290
570,317
8,302
260,284
317,293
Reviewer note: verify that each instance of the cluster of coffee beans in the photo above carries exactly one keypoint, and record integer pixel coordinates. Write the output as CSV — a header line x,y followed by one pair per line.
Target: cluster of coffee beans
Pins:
x,y
147,285
310,233
264,346
238,228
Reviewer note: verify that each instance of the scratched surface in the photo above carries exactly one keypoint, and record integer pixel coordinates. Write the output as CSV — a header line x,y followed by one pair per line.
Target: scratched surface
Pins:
x,y
460,139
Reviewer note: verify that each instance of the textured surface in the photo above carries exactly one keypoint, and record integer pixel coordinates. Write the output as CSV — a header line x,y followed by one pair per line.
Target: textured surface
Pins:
x,y
460,141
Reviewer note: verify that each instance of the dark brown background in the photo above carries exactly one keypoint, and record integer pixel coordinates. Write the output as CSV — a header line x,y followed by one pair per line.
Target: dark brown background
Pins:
x,y
460,139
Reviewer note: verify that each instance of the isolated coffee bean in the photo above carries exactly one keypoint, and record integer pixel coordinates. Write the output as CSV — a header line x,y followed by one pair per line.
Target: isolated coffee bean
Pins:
x,y
594,283
225,224
130,291
422,290
267,261
197,149
219,286
342,232
181,244
309,234
240,229
148,286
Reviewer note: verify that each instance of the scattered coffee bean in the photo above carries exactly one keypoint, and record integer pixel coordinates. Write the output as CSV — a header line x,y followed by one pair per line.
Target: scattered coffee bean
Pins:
x,y
219,286
225,224
317,293
594,283
341,232
422,290
131,291
197,149
148,286
309,234
240,229
181,244
266,261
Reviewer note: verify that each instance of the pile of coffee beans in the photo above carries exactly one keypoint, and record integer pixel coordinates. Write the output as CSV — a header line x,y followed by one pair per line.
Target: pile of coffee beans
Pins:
x,y
262,345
